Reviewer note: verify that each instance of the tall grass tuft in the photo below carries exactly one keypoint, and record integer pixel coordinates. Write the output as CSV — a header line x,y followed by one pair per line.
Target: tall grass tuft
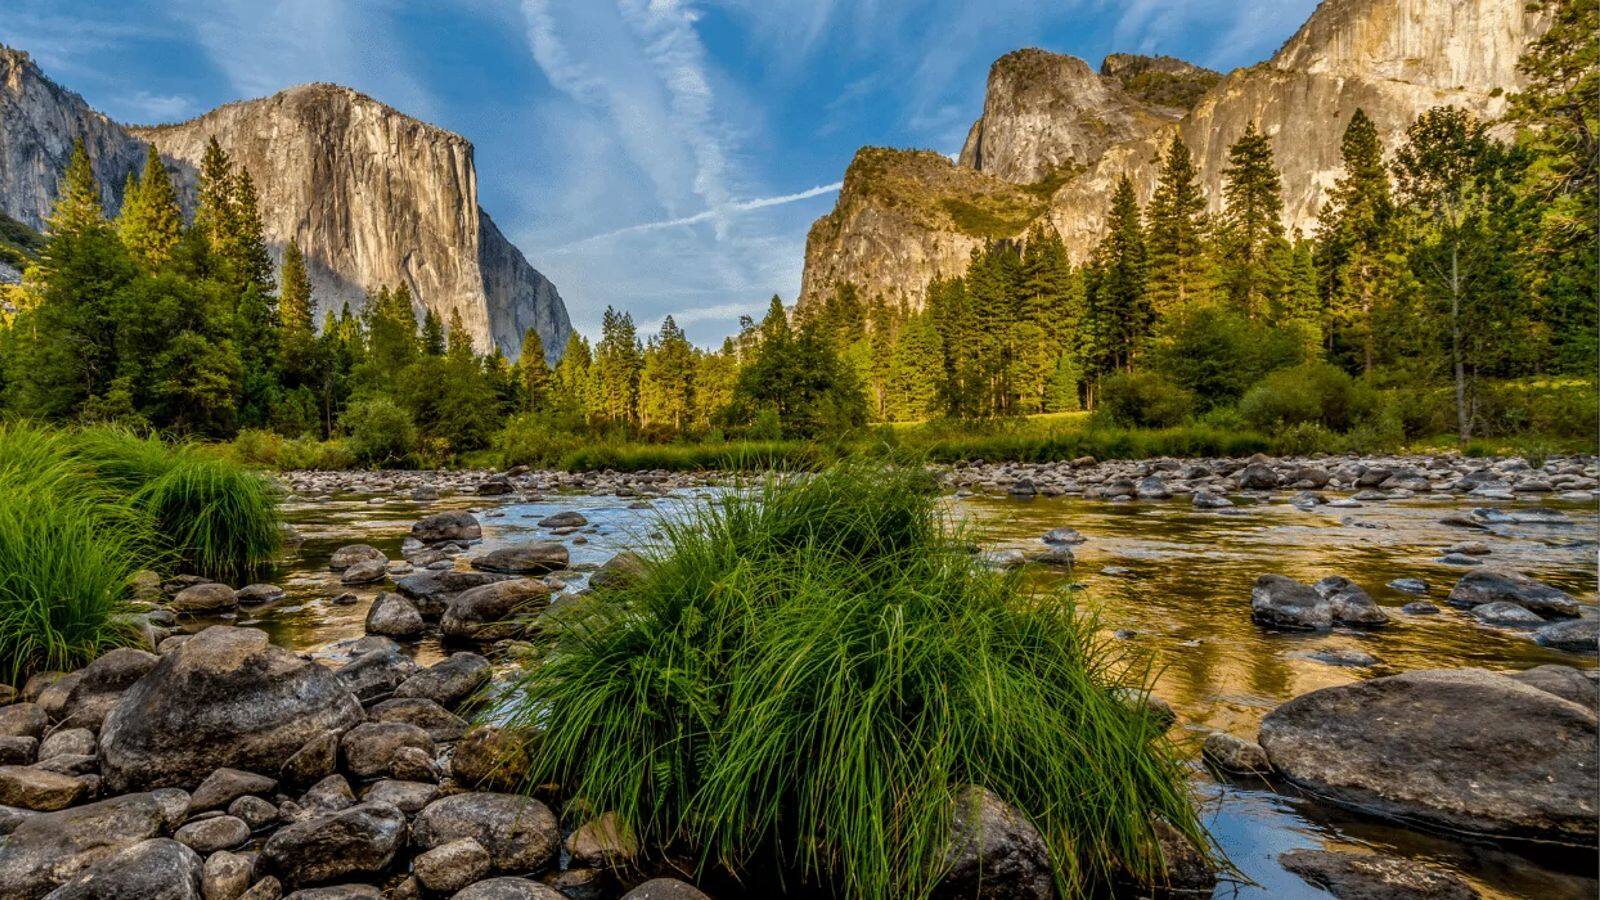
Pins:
x,y
67,550
809,671
209,515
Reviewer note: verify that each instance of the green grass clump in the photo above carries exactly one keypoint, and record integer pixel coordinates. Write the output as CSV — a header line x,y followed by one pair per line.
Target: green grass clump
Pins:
x,y
67,550
808,673
209,515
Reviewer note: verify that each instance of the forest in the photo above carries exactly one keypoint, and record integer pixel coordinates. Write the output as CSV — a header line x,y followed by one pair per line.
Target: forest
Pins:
x,y
1449,290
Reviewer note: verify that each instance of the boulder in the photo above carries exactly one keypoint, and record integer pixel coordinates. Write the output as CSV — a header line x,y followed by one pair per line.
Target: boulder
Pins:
x,y
534,558
1409,585
567,518
1501,612
409,796
225,698
1563,681
994,852
226,785
225,876
1576,635
39,789
377,673
335,892
204,598
621,570
450,867
664,889
156,869
366,571
492,758
46,850
392,615
361,839
448,682
1234,754
440,723
520,833
18,751
495,486
253,811
431,591
1258,477
1368,876
76,741
114,672
330,795
350,554
1461,749
506,888
1491,585
1285,603
315,760
482,613
213,834
23,720
1349,603
1208,500
456,525
1063,536
369,749
257,594
604,842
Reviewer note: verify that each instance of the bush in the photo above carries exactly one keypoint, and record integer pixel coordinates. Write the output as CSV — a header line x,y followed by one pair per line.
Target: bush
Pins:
x,y
1217,352
806,674
529,439
1312,392
381,433
1144,400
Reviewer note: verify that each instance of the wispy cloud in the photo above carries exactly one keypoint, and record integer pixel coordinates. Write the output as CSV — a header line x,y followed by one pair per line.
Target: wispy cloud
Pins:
x,y
721,214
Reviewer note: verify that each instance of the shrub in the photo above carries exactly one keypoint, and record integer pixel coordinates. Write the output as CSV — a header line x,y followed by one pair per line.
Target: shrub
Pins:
x,y
807,672
1144,400
1312,392
529,439
1217,352
381,433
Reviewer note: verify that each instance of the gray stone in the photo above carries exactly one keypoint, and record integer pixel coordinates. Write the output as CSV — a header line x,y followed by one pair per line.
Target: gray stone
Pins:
x,y
431,591
77,741
366,571
994,852
1368,876
1234,754
1501,612
520,833
369,749
1409,585
1576,635
507,888
330,795
213,834
438,722
392,615
225,876
448,682
452,866
225,785
23,720
1460,749
156,869
204,598
456,525
257,594
350,554
1563,681
39,789
1491,585
475,614
377,673
535,558
1420,608
225,698
567,518
314,761
46,850
253,811
621,570
361,839
18,751
490,757
409,796
1349,603
604,842
1285,603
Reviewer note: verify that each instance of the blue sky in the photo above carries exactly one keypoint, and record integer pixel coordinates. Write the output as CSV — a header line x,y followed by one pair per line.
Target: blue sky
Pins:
x,y
663,156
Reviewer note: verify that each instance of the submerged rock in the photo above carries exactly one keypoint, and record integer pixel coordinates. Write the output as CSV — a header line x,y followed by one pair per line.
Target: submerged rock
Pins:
x,y
1501,612
1576,635
1349,603
1491,585
1234,754
225,698
1461,749
1368,876
350,554
1285,603
534,558
457,525
567,518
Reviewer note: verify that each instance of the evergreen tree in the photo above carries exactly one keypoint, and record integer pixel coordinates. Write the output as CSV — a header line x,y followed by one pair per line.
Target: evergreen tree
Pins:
x,y
246,246
1118,311
534,379
1252,222
714,381
214,207
617,361
913,384
667,381
151,223
297,342
571,380
1175,233
433,343
78,209
1355,241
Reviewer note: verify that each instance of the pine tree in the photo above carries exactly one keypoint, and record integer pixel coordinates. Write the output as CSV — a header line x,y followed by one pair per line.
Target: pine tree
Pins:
x,y
667,380
214,207
1355,240
1175,233
296,322
913,384
572,379
1118,309
617,361
533,376
151,223
246,252
432,334
79,209
1252,223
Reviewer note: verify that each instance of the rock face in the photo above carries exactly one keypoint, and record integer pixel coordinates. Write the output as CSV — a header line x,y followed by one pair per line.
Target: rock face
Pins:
x,y
1044,112
1391,58
224,698
372,196
1461,749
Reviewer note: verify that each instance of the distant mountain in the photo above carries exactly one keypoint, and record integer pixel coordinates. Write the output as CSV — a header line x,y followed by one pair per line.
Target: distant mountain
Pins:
x,y
372,196
1055,136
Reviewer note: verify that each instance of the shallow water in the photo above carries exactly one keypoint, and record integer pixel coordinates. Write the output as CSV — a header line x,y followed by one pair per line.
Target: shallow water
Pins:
x,y
1184,594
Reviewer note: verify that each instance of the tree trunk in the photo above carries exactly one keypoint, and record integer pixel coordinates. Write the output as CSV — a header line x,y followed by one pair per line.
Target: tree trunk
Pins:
x,y
1463,420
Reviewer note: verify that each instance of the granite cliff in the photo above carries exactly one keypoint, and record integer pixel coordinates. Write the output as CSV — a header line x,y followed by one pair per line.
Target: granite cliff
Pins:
x,y
372,196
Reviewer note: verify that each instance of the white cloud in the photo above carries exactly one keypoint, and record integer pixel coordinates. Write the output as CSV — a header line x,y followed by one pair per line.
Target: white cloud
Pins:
x,y
145,108
720,215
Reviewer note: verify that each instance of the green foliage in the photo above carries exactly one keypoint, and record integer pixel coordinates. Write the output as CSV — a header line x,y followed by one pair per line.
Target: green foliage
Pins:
x,y
1216,352
1144,400
271,450
530,439
1312,392
808,673
1252,229
380,432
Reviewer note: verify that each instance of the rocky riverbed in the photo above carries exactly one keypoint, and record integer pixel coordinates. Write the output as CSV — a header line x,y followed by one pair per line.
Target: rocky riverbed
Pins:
x,y
1379,657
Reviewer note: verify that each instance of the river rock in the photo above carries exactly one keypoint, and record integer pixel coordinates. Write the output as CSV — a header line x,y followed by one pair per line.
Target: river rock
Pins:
x,y
1285,603
366,571
1368,876
76,741
315,760
1420,608
658,889
1576,635
507,888
491,757
213,834
156,869
253,811
1258,477
330,795
520,833
534,558
1491,585
38,789
1563,681
204,598
495,486
226,785
336,892
431,591
1208,500
392,615
1063,536
621,570
448,682
1349,603
1502,612
409,796
350,554
456,525
23,720
227,697
361,839
993,845
18,751
567,518
604,842
440,723
45,850
369,749
257,594
474,614
1235,754
1409,585
452,866
1461,749
377,673
225,876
